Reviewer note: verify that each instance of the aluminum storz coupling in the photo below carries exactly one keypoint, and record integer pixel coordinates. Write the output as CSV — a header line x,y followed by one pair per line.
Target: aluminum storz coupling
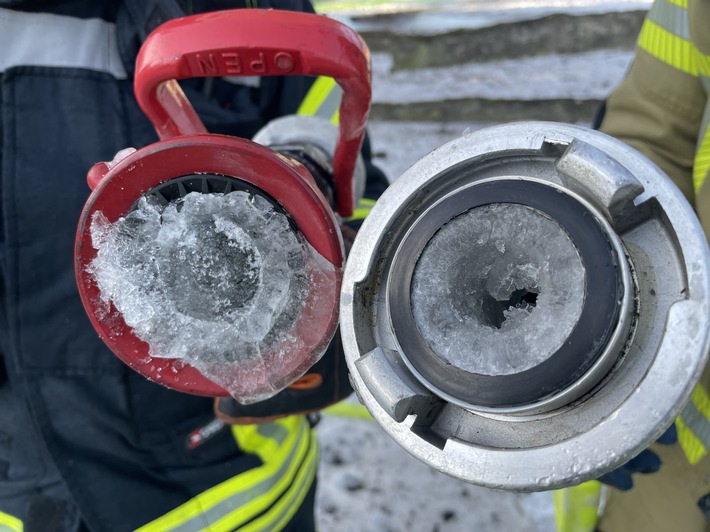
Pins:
x,y
526,307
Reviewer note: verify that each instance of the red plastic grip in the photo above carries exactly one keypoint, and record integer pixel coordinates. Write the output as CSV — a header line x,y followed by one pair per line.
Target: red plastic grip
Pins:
x,y
257,42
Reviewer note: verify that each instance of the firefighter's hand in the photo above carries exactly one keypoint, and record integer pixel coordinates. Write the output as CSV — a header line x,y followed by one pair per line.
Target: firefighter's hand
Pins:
x,y
325,383
646,462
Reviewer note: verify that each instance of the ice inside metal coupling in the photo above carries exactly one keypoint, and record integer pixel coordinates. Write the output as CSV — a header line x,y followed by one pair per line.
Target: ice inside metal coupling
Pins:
x,y
213,279
475,221
498,289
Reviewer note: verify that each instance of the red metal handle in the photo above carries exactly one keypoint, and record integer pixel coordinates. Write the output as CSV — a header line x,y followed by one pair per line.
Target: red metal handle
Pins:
x,y
257,42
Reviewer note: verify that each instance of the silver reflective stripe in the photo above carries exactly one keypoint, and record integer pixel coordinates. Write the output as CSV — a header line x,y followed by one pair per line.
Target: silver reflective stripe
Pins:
x,y
696,422
331,104
309,475
705,124
671,17
41,39
274,431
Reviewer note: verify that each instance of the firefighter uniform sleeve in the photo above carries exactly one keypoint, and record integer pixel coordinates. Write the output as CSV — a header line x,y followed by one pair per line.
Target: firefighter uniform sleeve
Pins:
x,y
661,108
658,110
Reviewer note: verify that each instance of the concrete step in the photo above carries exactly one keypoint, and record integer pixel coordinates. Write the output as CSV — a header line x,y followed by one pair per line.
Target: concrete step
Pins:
x,y
451,33
489,110
552,34
564,88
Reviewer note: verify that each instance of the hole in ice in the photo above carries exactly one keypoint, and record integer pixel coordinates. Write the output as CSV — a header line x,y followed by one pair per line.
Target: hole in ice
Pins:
x,y
494,310
498,289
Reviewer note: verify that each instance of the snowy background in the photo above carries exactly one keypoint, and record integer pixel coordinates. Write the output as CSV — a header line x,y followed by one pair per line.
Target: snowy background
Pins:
x,y
539,69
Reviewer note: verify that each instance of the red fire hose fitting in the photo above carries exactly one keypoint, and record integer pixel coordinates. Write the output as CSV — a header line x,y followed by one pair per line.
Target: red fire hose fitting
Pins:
x,y
188,159
257,43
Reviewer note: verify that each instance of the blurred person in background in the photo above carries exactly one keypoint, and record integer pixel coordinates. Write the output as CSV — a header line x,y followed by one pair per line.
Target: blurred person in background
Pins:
x,y
661,109
86,443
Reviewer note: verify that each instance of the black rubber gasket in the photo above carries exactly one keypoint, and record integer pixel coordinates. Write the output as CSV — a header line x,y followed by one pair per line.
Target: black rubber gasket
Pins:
x,y
586,342
179,187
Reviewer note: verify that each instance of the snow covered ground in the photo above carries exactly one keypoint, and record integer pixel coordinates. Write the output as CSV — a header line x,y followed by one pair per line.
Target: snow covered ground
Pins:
x,y
368,483
397,145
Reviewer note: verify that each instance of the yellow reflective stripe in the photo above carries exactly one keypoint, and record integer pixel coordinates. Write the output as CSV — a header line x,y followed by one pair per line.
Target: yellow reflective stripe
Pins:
x,y
679,3
9,523
304,460
264,440
577,508
362,209
693,425
671,49
245,496
701,167
323,99
693,448
348,410
251,492
283,511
